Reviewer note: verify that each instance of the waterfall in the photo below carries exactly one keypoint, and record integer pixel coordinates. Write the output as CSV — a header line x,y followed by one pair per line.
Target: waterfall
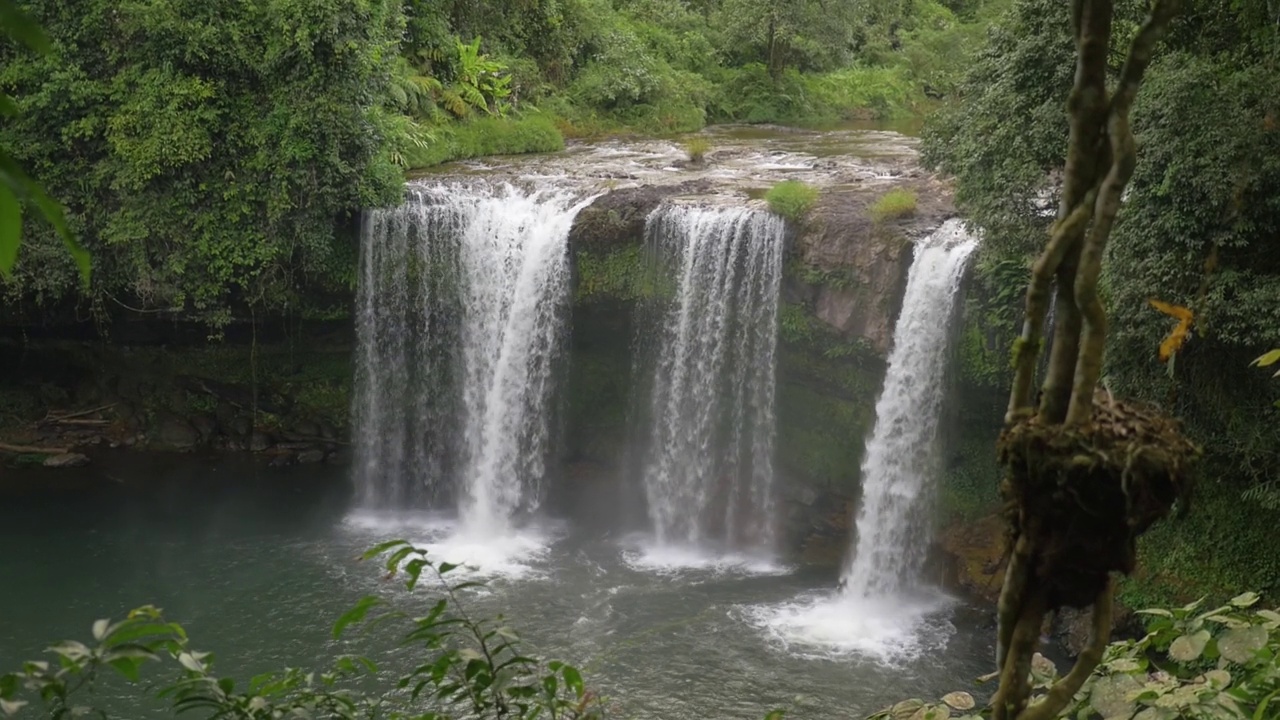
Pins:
x,y
900,457
709,469
460,316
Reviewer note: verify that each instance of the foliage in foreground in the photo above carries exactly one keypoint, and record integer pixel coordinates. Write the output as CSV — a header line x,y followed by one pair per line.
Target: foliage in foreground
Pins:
x,y
466,667
1220,664
792,199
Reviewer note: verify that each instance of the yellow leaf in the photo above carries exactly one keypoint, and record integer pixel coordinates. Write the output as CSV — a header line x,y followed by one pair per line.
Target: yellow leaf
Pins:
x,y
1178,336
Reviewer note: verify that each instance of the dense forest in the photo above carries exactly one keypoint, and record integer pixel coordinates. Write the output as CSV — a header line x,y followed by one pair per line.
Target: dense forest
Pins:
x,y
1196,240
213,155
213,160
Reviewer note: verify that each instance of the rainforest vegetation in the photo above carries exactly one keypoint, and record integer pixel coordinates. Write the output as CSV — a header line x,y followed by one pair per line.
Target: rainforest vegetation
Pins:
x,y
212,159
213,156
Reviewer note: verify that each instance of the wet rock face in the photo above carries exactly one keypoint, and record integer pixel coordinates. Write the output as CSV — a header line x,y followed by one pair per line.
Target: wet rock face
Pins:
x,y
852,268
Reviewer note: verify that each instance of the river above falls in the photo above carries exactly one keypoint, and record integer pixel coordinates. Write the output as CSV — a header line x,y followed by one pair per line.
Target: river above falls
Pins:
x,y
257,563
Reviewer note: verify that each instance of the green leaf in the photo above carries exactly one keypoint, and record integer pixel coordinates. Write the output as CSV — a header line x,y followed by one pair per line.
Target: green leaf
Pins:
x,y
1244,600
10,230
1189,647
775,715
377,550
446,567
573,679
1241,645
355,614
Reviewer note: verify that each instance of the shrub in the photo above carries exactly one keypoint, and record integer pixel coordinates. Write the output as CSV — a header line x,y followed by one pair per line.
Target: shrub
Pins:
x,y
697,149
897,203
1193,663
791,199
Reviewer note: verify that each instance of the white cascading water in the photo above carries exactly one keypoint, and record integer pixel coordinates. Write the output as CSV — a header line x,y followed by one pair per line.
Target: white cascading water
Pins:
x,y
900,464
881,612
461,313
709,473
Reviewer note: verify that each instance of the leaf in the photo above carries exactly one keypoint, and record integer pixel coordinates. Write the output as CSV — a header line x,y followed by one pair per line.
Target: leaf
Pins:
x,y
380,548
573,679
775,715
188,661
1218,678
355,614
1244,600
11,706
1110,696
1241,645
1267,360
959,700
100,628
1189,647
10,230
906,709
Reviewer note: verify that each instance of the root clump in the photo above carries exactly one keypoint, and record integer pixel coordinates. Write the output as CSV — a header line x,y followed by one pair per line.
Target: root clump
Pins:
x,y
1085,494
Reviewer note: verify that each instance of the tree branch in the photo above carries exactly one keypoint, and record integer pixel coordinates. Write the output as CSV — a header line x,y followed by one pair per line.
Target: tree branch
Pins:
x,y
1064,235
1015,688
1088,366
1066,688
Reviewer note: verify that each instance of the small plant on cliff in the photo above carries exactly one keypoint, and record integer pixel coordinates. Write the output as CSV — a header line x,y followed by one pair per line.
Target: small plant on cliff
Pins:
x,y
697,148
897,203
792,199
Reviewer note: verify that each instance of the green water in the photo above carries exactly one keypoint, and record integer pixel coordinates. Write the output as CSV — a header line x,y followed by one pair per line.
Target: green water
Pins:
x,y
257,563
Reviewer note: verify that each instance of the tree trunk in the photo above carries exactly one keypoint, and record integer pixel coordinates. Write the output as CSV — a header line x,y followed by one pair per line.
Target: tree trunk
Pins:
x,y
1100,161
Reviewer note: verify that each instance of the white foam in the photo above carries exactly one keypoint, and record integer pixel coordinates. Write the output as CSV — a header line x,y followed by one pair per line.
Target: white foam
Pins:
x,y
646,555
888,630
510,555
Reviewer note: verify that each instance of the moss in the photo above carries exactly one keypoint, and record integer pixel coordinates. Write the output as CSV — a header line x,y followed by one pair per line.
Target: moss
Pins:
x,y
825,401
895,204
792,199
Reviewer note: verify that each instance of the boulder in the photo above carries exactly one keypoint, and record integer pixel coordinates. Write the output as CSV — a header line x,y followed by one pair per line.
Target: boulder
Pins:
x,y
311,457
259,441
171,432
66,460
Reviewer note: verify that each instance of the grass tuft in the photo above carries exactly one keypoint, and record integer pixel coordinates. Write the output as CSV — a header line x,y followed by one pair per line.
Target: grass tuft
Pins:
x,y
897,203
792,199
697,149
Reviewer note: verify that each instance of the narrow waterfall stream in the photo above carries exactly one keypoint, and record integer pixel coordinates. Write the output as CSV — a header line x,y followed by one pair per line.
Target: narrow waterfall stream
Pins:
x,y
882,611
900,465
461,313
709,469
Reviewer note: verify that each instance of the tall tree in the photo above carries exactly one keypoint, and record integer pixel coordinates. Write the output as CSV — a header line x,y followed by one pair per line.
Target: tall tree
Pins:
x,y
1062,460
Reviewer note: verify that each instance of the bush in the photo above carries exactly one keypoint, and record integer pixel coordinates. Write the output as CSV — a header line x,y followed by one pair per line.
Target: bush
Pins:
x,y
697,149
1193,663
487,136
897,203
791,199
